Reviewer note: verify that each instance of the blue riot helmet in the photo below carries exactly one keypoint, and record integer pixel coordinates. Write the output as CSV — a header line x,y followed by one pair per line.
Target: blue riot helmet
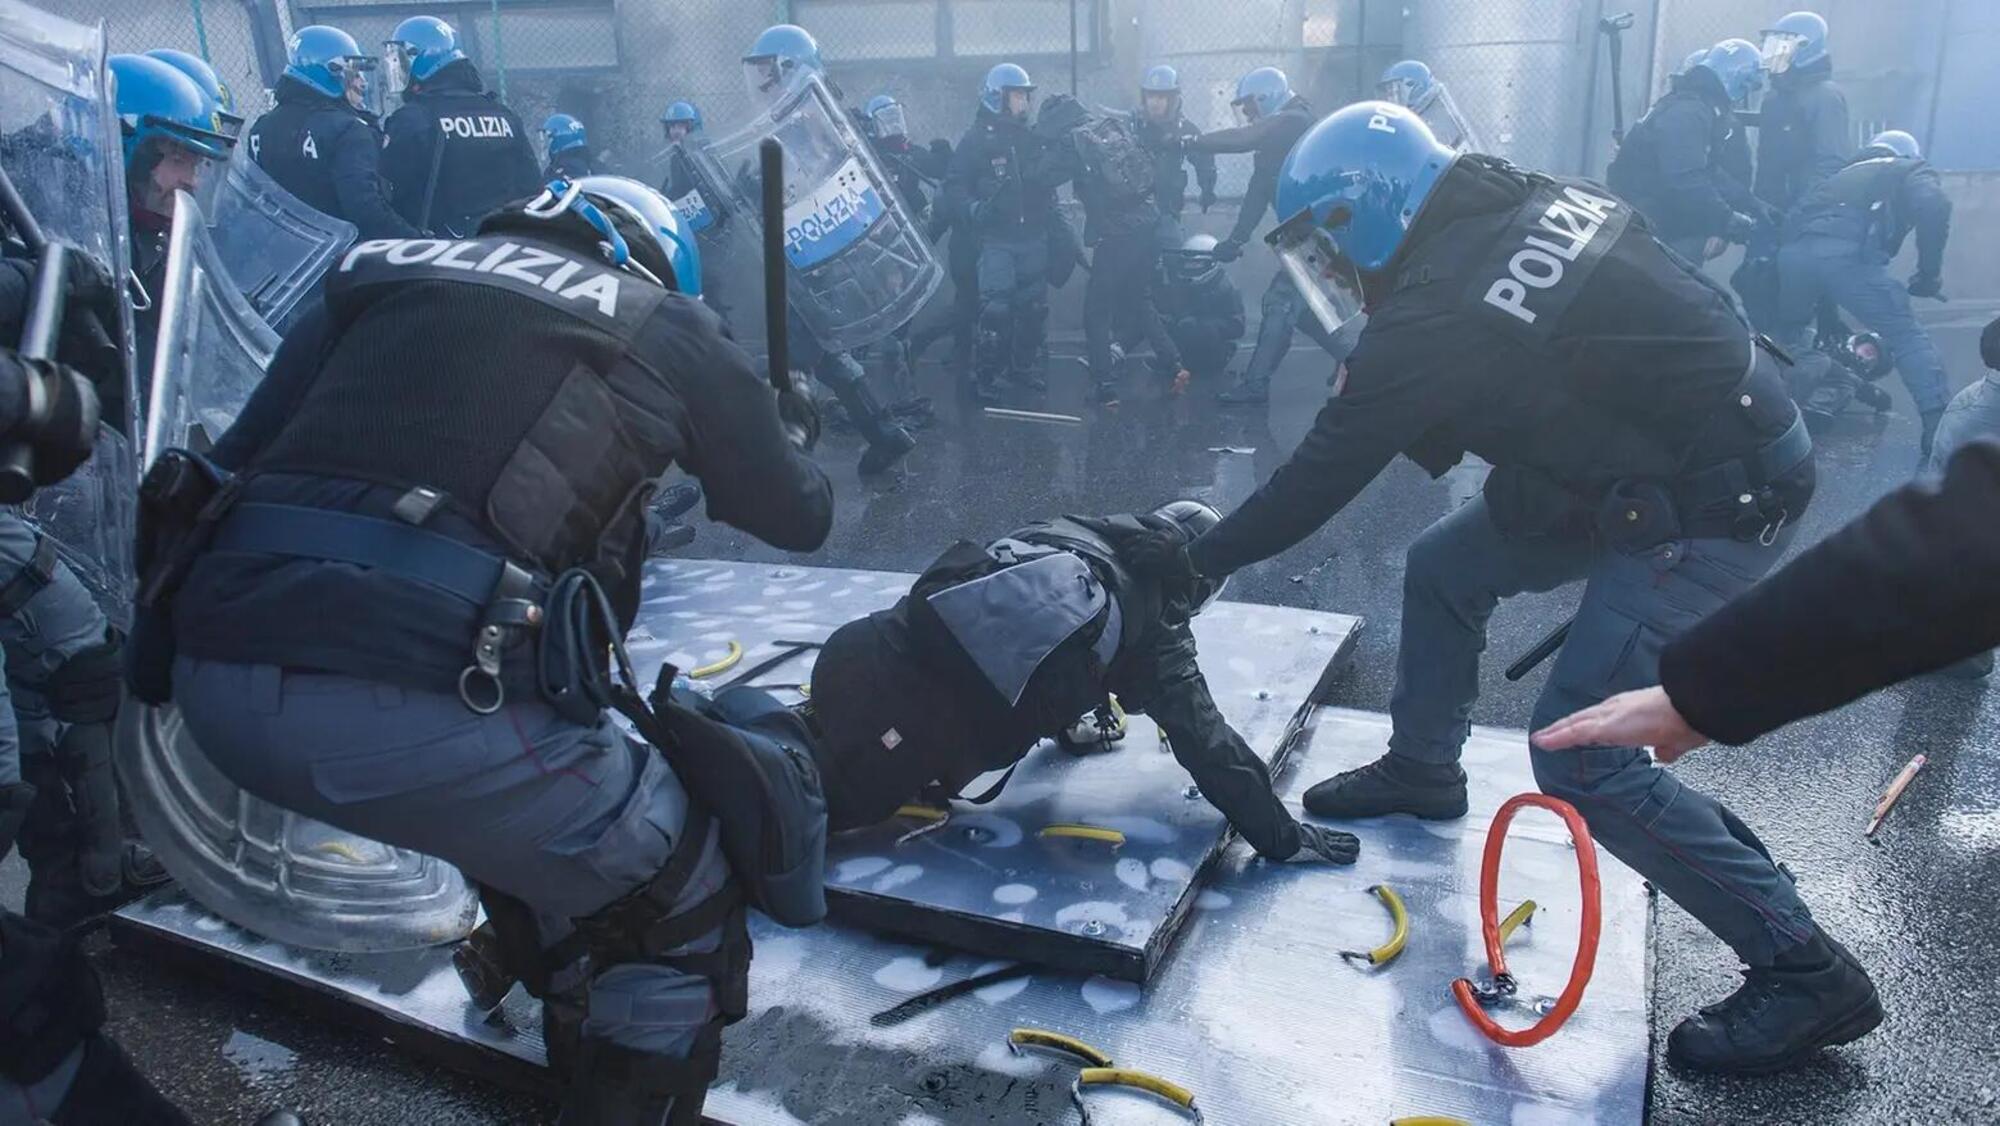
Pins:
x,y
204,76
1407,83
172,131
562,133
1261,93
886,117
638,231
781,56
1796,40
1693,57
1739,65
680,119
1893,142
1348,195
328,60
1160,93
419,48
996,94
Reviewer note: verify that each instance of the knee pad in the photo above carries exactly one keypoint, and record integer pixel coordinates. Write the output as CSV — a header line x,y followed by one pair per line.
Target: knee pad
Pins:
x,y
88,687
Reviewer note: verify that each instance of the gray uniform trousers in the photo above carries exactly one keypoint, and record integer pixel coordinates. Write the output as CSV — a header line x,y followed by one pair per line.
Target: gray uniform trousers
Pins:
x,y
1685,842
564,817
54,624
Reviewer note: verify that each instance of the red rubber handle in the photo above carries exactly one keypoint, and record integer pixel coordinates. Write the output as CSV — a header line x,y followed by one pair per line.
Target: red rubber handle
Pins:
x,y
1489,923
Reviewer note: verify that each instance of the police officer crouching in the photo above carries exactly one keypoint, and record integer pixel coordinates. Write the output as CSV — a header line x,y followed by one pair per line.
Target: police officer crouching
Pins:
x,y
393,609
320,142
1642,441
454,152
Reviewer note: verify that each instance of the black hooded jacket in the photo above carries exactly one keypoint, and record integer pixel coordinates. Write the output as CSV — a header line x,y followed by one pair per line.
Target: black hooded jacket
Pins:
x,y
1674,164
1803,134
329,154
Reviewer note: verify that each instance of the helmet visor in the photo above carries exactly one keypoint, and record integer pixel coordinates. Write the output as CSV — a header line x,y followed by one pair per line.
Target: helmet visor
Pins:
x,y
1329,282
764,77
1246,108
1396,90
890,121
1780,48
175,159
1161,105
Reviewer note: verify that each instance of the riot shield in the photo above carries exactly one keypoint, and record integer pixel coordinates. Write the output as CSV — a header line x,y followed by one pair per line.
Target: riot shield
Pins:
x,y
274,246
213,346
280,874
1447,123
702,196
858,265
60,144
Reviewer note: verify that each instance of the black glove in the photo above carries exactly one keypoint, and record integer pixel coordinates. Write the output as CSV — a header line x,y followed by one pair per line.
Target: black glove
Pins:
x,y
1228,250
1207,199
1320,845
1739,228
800,415
56,413
1926,285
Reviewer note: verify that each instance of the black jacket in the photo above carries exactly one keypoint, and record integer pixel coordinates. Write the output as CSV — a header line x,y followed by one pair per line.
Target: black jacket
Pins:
x,y
542,416
1803,135
1214,301
329,154
904,165
1169,142
1271,140
1675,163
1003,178
892,673
1621,365
1911,586
1877,202
455,152
572,164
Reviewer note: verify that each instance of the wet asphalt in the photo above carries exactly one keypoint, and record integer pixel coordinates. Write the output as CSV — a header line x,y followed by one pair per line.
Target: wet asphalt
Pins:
x,y
1914,905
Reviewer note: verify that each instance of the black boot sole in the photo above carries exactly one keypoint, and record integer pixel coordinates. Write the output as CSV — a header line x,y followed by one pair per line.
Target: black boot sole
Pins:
x,y
1440,811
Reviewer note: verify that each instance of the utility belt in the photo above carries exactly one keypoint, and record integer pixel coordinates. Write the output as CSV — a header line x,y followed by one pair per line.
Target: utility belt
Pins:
x,y
1747,498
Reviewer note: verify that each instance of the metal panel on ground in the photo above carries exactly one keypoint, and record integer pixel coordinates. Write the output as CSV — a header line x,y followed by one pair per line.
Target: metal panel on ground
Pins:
x,y
1254,1011
989,880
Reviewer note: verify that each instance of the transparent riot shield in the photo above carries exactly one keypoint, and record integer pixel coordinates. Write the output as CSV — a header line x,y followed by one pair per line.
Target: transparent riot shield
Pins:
x,y
213,347
275,872
1447,123
60,145
858,264
701,195
274,246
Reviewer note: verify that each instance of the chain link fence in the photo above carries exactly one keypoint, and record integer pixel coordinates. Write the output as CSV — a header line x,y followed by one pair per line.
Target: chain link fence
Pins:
x,y
240,39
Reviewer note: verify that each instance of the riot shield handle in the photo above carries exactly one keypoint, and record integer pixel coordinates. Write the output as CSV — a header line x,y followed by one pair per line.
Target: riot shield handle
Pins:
x,y
38,342
771,170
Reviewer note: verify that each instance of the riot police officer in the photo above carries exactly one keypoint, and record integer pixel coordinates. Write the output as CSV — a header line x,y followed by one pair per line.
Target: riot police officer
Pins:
x,y
972,677
1165,132
1520,317
1803,134
1838,243
173,142
400,622
454,152
319,143
1412,84
1002,188
782,57
1274,119
567,144
680,122
1674,164
914,171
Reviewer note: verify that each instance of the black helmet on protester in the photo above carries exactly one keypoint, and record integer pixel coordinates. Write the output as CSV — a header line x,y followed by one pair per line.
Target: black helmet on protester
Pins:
x,y
1194,518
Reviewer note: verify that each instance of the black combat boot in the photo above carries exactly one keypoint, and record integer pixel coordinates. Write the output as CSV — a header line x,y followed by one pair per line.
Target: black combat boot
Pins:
x,y
1813,997
887,442
1392,784
1245,392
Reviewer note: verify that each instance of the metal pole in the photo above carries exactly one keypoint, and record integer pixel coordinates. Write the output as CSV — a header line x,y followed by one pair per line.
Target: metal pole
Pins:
x,y
200,31
1072,48
1361,53
1937,81
499,52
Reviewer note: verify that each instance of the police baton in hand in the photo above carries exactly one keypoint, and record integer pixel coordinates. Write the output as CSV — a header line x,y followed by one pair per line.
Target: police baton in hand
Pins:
x,y
771,168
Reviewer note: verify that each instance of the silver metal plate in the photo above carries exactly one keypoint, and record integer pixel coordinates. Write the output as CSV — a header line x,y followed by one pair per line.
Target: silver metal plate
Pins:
x,y
1254,1010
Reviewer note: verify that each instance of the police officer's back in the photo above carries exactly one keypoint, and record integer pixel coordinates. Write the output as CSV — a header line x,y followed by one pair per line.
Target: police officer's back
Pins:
x,y
317,142
454,151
